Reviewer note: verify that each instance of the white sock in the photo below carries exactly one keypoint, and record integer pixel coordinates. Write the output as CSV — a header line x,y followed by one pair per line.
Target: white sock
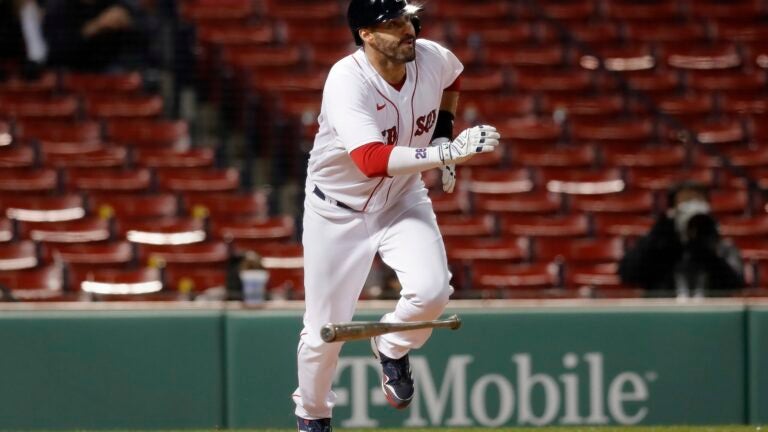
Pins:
x,y
31,28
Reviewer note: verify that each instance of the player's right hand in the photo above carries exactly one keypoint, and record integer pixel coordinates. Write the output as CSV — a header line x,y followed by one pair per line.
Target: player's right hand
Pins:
x,y
477,139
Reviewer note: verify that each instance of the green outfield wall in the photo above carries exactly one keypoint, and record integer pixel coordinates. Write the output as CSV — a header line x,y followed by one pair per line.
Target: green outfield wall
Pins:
x,y
504,367
758,364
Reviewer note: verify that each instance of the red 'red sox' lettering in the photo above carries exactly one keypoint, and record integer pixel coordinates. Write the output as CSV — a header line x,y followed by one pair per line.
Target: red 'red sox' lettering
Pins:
x,y
425,123
390,135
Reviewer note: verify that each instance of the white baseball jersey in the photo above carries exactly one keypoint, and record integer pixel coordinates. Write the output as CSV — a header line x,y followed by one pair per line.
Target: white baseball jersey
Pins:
x,y
359,107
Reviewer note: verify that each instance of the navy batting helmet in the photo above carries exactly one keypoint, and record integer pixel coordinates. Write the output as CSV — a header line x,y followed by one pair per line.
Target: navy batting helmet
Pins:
x,y
365,13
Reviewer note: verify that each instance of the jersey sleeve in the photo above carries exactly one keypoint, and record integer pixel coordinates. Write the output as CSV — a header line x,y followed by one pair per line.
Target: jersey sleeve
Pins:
x,y
451,65
348,106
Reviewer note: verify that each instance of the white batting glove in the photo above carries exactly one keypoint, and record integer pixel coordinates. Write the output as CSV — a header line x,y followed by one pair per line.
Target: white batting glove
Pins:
x,y
448,171
478,139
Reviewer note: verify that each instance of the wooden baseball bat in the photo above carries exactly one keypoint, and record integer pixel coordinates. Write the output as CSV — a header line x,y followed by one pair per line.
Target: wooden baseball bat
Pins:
x,y
366,329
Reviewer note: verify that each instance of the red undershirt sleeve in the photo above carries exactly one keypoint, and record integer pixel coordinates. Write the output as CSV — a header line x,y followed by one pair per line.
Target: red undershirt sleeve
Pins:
x,y
456,86
372,159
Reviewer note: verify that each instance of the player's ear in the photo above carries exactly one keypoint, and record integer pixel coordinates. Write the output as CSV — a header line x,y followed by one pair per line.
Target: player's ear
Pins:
x,y
366,34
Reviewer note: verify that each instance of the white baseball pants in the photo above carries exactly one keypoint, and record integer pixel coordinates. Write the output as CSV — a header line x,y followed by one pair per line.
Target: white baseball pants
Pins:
x,y
339,248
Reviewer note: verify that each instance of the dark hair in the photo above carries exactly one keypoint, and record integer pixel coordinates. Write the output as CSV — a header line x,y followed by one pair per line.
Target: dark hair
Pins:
x,y
686,185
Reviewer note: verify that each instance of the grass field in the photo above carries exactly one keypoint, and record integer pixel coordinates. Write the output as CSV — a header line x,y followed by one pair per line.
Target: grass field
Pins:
x,y
543,429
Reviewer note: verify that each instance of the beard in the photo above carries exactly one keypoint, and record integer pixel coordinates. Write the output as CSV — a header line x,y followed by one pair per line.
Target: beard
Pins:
x,y
395,51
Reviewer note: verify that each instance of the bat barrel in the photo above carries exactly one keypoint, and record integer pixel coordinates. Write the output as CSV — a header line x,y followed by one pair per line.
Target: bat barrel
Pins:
x,y
363,330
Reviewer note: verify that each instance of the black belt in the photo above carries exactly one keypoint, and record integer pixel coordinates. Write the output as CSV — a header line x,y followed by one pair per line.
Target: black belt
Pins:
x,y
326,198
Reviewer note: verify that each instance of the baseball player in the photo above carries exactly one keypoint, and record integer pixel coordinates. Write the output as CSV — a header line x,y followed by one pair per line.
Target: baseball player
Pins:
x,y
387,115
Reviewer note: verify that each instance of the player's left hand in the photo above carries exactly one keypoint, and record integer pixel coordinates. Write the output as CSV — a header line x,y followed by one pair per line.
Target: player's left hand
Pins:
x,y
448,171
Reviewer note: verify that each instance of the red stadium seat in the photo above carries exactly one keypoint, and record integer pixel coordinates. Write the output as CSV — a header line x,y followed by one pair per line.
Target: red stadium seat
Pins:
x,y
227,206
622,57
741,157
33,208
107,106
24,181
491,108
202,254
228,11
703,57
749,31
485,181
741,226
582,182
199,180
604,276
18,256
718,132
449,203
651,157
466,225
733,201
36,284
308,12
493,32
540,156
253,229
607,224
18,156
58,131
570,11
19,86
687,107
643,11
653,82
748,104
132,207
739,10
149,133
568,82
47,107
167,230
601,106
82,83
492,9
63,156
488,80
212,35
618,131
531,130
102,180
727,81
663,178
541,55
664,32
539,202
83,230
515,276
501,250
627,202
752,248
595,33
574,225
120,284
116,254
582,251
297,32
194,281
248,58
172,158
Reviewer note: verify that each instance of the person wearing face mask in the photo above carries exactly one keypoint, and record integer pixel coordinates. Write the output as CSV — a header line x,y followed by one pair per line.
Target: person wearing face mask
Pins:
x,y
684,254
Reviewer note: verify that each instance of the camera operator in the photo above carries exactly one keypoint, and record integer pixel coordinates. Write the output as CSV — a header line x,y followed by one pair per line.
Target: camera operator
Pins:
x,y
684,253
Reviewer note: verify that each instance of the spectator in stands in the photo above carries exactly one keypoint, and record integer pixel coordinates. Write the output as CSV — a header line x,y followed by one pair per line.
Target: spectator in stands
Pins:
x,y
21,37
95,35
684,253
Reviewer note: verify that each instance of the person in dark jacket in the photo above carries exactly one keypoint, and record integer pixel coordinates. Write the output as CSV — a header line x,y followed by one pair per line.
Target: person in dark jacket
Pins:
x,y
684,252
94,35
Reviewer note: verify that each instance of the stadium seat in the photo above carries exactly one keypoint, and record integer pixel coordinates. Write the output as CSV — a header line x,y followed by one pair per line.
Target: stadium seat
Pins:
x,y
752,248
25,181
531,130
124,207
741,157
744,226
595,33
125,107
580,251
541,156
603,276
619,57
654,82
479,11
449,203
466,225
573,225
688,106
17,156
573,181
497,181
208,254
562,82
307,12
615,131
149,133
18,256
7,230
106,179
36,284
83,230
569,11
536,202
488,81
33,208
45,107
107,254
84,156
225,206
120,284
496,249
254,229
53,131
491,33
739,104
484,109
664,178
600,106
608,224
199,180
515,276
19,86
168,230
192,281
114,83
172,158
536,55
650,157
643,11
729,201
739,31
297,32
738,10
693,32
625,202
727,81
227,11
702,57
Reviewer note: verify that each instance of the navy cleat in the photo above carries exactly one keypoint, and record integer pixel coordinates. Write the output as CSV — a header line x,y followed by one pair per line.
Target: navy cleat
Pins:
x,y
319,425
396,380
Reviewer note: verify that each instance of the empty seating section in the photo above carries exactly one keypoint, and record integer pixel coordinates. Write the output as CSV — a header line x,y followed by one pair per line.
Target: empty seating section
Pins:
x,y
602,106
